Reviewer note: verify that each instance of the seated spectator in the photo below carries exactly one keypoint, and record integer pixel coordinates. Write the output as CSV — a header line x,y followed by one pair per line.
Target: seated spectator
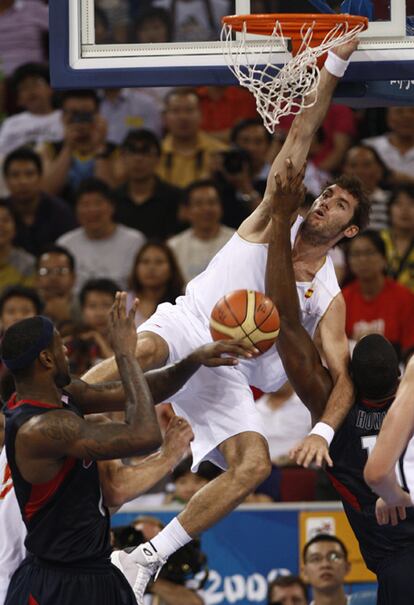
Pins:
x,y
186,483
89,343
188,153
337,134
55,284
152,26
125,109
287,590
223,106
17,267
195,20
146,202
376,304
100,246
328,554
286,420
396,147
17,303
39,121
196,246
23,28
365,163
40,218
399,238
117,18
155,279
83,152
252,136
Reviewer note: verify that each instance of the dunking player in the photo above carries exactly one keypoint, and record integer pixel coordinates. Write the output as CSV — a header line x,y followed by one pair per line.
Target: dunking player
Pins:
x,y
51,451
387,551
220,409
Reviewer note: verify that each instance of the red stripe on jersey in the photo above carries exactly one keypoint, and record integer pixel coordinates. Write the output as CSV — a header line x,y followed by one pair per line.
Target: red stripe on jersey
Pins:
x,y
14,403
42,492
344,492
257,393
32,600
7,484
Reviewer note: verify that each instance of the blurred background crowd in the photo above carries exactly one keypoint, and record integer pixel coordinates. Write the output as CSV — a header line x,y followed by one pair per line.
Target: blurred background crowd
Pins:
x,y
138,189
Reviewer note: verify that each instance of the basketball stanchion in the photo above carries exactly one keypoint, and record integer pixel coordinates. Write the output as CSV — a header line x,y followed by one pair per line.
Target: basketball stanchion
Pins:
x,y
288,89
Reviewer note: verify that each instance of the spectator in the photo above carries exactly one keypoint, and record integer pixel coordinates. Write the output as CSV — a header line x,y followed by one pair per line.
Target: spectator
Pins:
x,y
396,147
188,153
287,590
337,133
17,267
23,29
196,246
155,279
39,121
153,26
84,151
55,284
252,136
186,483
101,247
365,163
195,19
223,106
117,17
16,303
90,343
399,238
125,109
146,202
325,565
376,304
40,218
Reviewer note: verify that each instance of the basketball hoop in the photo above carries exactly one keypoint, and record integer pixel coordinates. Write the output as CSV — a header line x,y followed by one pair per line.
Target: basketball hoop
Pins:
x,y
281,91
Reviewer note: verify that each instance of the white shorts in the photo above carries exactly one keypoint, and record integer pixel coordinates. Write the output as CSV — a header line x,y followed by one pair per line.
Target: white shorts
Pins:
x,y
217,402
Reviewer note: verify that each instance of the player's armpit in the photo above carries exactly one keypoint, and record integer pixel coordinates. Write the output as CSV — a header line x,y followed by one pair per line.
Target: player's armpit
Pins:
x,y
63,433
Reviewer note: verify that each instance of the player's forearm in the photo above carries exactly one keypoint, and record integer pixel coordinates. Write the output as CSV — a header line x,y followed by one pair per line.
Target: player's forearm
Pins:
x,y
166,381
105,371
339,402
389,490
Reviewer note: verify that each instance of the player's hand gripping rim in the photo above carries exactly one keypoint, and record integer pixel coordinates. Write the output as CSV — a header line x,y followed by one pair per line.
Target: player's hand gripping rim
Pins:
x,y
224,353
311,450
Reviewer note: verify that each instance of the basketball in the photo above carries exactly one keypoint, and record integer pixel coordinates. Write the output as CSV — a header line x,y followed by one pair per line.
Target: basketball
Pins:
x,y
246,315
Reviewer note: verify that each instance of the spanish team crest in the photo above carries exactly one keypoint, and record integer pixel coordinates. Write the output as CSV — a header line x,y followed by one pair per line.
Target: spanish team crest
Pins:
x,y
309,292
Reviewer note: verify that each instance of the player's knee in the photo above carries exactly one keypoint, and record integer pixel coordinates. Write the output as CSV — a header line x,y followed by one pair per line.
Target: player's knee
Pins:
x,y
152,350
254,468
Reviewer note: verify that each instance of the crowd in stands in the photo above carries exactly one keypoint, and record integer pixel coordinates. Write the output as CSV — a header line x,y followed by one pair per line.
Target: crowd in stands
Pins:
x,y
137,189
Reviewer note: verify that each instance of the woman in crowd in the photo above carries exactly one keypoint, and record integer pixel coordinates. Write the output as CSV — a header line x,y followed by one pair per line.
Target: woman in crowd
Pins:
x,y
376,303
155,278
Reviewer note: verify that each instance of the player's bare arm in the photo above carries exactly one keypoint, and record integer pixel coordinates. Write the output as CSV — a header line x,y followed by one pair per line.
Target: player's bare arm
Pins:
x,y
61,433
379,471
163,382
121,482
300,357
296,147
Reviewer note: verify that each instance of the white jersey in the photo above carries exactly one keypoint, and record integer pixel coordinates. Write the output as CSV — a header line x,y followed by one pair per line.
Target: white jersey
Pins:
x,y
241,264
12,528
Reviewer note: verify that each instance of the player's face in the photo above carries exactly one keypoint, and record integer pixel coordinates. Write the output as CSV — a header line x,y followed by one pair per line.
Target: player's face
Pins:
x,y
288,595
365,260
329,217
61,373
325,566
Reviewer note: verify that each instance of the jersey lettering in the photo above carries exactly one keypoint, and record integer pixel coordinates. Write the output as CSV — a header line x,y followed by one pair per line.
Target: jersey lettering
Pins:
x,y
7,483
368,443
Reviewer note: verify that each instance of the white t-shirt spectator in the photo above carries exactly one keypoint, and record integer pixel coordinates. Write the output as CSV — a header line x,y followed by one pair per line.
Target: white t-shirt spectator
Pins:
x,y
194,254
391,156
29,129
111,257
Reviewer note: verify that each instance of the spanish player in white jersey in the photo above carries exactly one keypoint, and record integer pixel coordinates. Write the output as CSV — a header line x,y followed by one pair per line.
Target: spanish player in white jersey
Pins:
x,y
218,403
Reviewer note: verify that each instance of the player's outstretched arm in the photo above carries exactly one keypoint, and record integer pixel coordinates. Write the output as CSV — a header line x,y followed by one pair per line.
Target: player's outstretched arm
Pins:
x,y
298,353
299,139
397,429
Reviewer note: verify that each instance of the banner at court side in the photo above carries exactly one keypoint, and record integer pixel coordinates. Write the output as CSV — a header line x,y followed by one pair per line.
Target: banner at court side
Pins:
x,y
245,551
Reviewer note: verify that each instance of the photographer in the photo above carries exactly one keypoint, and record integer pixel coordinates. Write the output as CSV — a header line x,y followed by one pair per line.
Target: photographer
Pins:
x,y
172,587
239,193
84,151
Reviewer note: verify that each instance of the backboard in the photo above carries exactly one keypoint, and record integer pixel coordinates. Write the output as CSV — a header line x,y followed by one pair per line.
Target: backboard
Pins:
x,y
96,46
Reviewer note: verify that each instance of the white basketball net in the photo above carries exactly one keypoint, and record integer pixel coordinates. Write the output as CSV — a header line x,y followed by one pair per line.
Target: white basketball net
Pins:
x,y
281,91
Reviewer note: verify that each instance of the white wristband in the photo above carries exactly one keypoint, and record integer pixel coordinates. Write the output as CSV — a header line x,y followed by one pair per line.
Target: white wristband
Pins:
x,y
323,430
335,65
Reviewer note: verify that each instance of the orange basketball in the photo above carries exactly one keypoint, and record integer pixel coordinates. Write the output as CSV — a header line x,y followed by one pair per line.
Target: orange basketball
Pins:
x,y
246,315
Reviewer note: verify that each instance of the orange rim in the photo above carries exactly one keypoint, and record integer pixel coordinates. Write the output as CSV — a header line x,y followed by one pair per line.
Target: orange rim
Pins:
x,y
292,23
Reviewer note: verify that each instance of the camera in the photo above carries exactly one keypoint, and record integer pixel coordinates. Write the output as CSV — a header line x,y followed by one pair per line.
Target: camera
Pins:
x,y
234,160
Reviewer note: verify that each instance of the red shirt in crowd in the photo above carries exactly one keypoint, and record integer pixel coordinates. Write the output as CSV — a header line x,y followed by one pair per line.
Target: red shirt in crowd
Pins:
x,y
391,313
233,105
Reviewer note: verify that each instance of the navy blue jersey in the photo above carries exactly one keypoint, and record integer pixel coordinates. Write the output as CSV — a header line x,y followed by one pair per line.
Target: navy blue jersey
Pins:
x,y
65,518
349,452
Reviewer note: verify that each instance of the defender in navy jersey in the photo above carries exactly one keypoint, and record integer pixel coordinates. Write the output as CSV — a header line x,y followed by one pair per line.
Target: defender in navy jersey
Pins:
x,y
388,551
